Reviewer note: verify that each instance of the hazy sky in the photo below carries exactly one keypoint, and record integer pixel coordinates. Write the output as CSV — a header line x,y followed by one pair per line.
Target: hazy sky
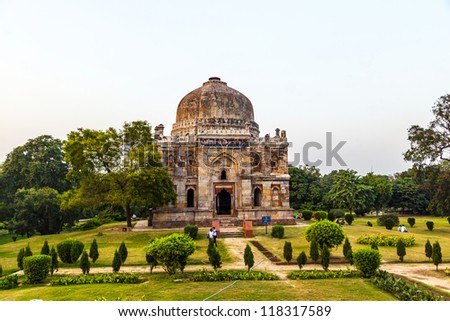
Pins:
x,y
363,70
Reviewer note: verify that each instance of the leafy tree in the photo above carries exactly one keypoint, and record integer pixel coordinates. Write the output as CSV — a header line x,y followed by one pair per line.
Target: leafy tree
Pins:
x,y
301,259
325,232
45,248
428,249
93,251
37,164
436,255
440,201
120,168
172,251
39,209
249,259
305,188
406,194
85,265
431,144
117,261
123,252
401,249
55,263
382,188
325,257
287,251
314,251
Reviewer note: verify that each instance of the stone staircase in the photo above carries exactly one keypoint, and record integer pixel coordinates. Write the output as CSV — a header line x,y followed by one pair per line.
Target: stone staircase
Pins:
x,y
230,232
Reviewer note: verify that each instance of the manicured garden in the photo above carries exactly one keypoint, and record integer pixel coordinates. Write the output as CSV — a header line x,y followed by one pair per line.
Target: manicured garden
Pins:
x,y
313,285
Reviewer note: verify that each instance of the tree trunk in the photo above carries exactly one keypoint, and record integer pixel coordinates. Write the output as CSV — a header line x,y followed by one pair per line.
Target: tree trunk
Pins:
x,y
128,214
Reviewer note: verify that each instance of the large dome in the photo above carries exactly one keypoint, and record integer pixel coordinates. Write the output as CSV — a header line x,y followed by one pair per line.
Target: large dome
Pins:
x,y
215,104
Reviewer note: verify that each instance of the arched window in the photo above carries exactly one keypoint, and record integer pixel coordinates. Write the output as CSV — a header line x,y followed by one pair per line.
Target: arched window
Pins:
x,y
257,197
190,198
223,175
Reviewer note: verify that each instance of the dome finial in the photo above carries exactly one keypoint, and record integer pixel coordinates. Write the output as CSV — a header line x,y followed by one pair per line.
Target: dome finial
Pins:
x,y
214,79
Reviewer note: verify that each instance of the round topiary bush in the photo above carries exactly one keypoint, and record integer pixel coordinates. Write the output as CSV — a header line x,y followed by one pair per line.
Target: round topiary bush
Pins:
x,y
191,230
325,232
307,215
430,225
369,223
69,250
349,218
411,221
367,261
321,215
36,267
278,231
389,223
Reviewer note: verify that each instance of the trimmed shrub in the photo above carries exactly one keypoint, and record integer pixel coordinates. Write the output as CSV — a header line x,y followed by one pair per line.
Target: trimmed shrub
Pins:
x,y
85,265
277,231
93,251
88,225
316,274
314,251
117,262
430,225
124,278
367,261
287,251
349,218
36,267
386,240
321,215
215,260
347,251
369,223
9,282
389,223
428,249
69,250
301,259
381,220
45,248
437,254
331,216
151,260
325,232
172,251
218,276
374,246
337,212
411,221
307,215
249,259
55,263
28,251
20,257
123,252
448,219
191,230
401,249
325,258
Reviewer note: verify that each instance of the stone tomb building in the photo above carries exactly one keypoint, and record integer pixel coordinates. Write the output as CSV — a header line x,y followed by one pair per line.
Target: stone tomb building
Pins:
x,y
221,168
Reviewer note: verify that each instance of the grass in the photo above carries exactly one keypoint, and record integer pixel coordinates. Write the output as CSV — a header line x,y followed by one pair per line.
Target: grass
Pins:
x,y
159,287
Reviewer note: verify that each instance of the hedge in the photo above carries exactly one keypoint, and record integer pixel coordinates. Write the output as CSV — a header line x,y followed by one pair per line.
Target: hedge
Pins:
x,y
316,274
385,240
9,282
224,275
126,278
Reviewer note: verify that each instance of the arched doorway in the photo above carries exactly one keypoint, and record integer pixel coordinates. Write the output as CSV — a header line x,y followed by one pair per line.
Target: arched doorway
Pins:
x,y
257,197
223,202
190,198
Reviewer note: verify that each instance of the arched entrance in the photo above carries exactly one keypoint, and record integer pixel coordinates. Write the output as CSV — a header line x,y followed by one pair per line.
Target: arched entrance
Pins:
x,y
190,198
223,202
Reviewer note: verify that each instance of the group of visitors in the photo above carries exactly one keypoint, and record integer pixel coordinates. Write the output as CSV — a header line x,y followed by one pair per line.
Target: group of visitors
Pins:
x,y
402,228
212,235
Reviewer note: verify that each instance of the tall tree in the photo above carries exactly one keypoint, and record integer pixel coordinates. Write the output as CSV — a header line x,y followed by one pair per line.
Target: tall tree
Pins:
x,y
382,189
117,168
406,194
431,144
305,188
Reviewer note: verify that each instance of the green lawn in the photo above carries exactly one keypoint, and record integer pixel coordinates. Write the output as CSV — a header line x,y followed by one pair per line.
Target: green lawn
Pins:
x,y
158,287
